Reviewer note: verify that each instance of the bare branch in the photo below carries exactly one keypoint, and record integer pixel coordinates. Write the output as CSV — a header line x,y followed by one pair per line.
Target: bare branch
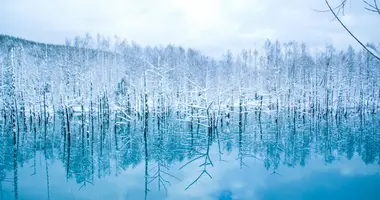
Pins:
x,y
191,161
339,7
341,23
372,7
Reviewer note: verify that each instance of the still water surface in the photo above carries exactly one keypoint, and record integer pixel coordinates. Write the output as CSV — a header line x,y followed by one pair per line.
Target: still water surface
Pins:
x,y
271,159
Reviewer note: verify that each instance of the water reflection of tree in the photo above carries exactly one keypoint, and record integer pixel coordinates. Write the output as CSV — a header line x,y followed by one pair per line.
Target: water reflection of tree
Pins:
x,y
273,142
161,156
274,150
201,153
245,144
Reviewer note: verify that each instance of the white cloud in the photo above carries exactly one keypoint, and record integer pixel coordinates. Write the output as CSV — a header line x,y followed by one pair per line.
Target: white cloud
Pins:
x,y
212,26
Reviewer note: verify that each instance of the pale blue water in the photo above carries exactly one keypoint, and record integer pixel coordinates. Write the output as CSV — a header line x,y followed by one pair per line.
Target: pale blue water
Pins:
x,y
312,159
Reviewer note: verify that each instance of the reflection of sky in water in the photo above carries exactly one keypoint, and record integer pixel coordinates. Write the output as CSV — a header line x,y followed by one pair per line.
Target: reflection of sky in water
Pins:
x,y
342,179
343,164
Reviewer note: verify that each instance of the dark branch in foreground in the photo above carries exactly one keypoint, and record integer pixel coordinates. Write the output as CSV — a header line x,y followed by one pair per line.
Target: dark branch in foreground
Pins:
x,y
341,23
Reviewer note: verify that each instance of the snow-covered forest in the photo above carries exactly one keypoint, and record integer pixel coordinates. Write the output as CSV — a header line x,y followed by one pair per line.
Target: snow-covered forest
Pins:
x,y
205,100
96,102
100,76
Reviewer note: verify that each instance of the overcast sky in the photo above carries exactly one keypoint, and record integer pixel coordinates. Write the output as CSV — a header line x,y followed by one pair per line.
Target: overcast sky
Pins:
x,y
212,26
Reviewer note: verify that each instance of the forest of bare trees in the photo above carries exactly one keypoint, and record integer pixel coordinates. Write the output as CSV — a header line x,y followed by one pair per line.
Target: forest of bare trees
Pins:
x,y
99,78
89,102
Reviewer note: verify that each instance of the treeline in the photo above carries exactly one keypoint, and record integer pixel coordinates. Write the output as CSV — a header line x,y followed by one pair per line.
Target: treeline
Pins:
x,y
100,77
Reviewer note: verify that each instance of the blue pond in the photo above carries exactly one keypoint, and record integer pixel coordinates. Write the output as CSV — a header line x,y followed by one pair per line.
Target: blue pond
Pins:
x,y
269,159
